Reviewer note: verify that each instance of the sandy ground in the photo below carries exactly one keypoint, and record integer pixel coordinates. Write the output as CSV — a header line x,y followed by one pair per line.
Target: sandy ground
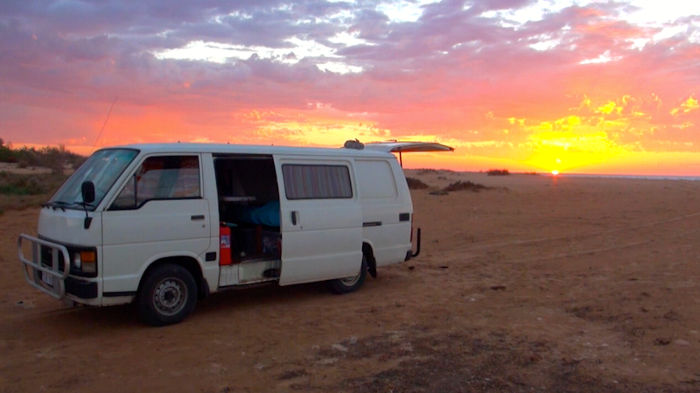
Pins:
x,y
535,285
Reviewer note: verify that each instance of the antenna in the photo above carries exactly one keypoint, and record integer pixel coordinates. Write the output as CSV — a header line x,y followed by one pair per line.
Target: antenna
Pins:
x,y
109,112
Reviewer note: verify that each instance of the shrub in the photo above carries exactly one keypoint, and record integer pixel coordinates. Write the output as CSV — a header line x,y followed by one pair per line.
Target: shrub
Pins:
x,y
15,184
49,157
6,154
497,172
465,186
415,184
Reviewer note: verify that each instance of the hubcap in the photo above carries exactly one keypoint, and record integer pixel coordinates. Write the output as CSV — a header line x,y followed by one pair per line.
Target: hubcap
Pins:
x,y
350,281
170,296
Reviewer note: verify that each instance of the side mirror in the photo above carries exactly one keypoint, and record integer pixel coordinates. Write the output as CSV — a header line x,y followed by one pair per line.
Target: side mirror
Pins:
x,y
88,191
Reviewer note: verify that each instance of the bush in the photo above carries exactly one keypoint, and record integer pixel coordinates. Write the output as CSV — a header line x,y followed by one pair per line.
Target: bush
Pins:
x,y
6,154
465,186
415,184
14,184
497,172
54,158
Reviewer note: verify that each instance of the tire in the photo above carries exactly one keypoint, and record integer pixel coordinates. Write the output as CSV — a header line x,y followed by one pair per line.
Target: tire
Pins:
x,y
349,284
167,295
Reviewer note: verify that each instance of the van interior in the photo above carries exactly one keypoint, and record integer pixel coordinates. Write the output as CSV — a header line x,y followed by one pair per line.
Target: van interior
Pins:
x,y
249,207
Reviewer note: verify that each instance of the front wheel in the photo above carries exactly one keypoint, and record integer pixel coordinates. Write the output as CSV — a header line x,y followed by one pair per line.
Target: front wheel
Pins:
x,y
352,283
167,295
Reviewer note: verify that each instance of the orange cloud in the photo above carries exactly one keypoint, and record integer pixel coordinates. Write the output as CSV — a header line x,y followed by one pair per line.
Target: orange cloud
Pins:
x,y
687,106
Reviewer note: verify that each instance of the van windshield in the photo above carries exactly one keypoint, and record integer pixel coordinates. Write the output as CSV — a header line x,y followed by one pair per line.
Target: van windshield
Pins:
x,y
102,168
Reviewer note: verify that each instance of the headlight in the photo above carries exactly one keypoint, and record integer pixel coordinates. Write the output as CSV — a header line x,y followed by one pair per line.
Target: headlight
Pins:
x,y
84,262
76,261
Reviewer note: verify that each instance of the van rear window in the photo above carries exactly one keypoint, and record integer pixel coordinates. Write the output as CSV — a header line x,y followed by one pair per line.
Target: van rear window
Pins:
x,y
302,181
375,179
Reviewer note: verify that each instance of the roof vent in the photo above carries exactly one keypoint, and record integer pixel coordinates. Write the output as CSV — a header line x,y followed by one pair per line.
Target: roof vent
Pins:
x,y
354,144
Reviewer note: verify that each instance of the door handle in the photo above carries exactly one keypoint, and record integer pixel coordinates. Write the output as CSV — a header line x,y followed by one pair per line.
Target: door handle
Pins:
x,y
294,217
197,217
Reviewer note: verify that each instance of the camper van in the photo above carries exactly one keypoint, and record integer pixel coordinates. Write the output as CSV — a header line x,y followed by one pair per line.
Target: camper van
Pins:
x,y
163,225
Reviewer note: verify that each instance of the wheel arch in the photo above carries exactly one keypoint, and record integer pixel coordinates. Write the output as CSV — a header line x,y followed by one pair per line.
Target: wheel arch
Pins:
x,y
368,251
191,264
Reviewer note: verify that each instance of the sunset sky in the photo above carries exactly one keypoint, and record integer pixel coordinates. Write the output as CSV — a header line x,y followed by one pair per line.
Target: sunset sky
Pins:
x,y
573,86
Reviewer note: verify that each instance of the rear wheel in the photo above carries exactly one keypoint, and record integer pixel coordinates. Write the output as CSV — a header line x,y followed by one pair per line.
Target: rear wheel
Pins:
x,y
167,295
352,283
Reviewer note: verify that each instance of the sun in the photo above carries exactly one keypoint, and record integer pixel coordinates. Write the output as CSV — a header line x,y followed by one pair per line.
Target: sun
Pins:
x,y
555,172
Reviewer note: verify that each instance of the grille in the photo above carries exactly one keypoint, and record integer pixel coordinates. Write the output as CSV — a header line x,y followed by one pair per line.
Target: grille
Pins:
x,y
47,257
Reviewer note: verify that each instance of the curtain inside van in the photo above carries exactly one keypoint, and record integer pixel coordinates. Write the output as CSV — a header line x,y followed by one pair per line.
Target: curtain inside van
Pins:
x,y
316,181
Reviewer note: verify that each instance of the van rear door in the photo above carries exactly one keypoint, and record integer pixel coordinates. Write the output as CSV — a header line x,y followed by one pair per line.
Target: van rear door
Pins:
x,y
321,219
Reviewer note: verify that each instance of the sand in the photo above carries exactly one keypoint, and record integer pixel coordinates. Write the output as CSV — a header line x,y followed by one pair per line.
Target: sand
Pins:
x,y
537,284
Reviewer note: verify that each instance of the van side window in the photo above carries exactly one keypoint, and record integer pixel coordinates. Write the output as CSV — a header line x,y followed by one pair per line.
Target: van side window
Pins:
x,y
316,181
162,177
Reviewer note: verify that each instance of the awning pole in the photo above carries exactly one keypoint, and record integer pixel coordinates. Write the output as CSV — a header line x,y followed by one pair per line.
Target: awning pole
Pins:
x,y
400,159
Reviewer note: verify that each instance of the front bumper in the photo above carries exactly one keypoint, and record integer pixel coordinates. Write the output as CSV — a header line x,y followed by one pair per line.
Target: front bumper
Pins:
x,y
48,270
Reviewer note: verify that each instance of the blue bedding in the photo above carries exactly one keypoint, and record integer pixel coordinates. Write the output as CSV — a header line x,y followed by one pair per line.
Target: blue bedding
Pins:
x,y
267,214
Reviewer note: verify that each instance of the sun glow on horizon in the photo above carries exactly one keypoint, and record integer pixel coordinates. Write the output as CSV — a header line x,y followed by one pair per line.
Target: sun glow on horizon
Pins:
x,y
598,136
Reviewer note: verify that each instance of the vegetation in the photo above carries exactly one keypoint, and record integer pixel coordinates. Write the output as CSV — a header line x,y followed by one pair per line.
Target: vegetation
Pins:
x,y
54,158
16,184
19,190
6,153
465,186
415,184
431,171
497,172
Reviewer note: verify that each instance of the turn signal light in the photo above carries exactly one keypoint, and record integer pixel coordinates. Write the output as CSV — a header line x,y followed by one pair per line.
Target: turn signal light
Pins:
x,y
88,260
88,256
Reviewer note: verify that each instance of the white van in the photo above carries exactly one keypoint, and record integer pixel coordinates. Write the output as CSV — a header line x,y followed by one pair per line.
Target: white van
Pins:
x,y
165,224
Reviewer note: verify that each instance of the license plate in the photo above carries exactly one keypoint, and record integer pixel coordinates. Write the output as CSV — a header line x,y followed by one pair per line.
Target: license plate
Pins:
x,y
48,279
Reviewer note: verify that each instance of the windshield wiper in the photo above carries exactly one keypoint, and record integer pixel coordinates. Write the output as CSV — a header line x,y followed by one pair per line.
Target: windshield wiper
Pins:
x,y
58,205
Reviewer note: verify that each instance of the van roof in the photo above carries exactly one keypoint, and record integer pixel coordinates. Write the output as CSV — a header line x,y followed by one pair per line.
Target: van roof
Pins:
x,y
251,149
